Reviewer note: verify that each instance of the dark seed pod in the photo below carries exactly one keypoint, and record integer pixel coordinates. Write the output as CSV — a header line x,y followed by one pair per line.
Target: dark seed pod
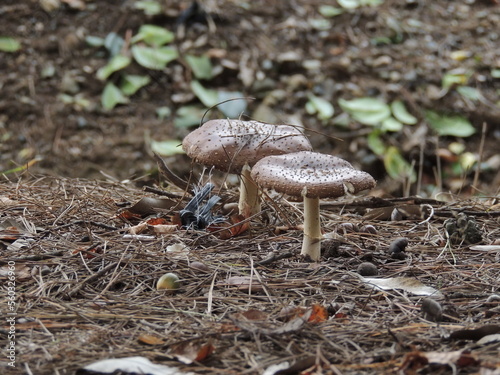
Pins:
x,y
367,269
432,310
398,245
399,255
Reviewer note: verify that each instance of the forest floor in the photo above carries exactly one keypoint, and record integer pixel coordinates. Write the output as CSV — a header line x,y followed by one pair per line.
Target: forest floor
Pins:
x,y
85,282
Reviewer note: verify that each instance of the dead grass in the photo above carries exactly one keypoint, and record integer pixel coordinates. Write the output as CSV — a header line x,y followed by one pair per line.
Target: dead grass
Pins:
x,y
86,292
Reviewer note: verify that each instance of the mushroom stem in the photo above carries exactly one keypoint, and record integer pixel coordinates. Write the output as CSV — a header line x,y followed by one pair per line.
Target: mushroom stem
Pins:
x,y
311,244
249,194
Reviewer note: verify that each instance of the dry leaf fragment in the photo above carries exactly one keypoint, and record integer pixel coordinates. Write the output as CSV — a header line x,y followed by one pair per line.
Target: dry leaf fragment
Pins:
x,y
139,228
408,284
150,339
418,360
157,221
267,326
237,226
245,283
164,228
191,351
7,202
319,314
127,365
19,270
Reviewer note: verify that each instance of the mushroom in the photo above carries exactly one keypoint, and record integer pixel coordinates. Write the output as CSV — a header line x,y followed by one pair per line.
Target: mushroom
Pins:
x,y
234,146
313,176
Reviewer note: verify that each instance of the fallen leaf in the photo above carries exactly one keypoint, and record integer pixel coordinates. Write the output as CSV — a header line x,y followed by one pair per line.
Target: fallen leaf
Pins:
x,y
319,314
139,228
269,326
191,351
127,365
157,221
19,270
417,360
150,339
7,202
164,228
237,226
245,283
408,284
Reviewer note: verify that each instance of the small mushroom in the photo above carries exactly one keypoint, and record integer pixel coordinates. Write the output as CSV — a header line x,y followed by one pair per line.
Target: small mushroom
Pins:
x,y
234,146
313,176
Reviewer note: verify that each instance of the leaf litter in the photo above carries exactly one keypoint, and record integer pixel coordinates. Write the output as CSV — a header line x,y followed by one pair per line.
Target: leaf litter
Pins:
x,y
308,315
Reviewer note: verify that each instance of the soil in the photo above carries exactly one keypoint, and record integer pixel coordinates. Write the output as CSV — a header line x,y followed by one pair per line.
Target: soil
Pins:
x,y
85,279
269,50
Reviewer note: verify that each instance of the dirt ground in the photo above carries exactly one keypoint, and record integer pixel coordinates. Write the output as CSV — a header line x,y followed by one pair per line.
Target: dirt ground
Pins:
x,y
86,285
272,51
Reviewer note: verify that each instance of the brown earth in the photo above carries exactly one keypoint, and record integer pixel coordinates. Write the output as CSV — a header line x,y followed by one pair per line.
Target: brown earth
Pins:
x,y
269,50
86,290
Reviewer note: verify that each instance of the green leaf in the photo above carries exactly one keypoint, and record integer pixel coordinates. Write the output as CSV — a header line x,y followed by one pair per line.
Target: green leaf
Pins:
x,y
233,108
375,143
401,114
131,83
167,148
329,11
9,44
114,43
372,3
455,77
111,96
153,35
150,7
368,111
391,125
322,107
470,93
154,58
201,66
163,112
396,166
208,97
188,116
94,41
348,4
495,73
456,126
116,63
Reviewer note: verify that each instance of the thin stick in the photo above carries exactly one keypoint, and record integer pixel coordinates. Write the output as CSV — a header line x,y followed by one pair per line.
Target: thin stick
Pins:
x,y
481,149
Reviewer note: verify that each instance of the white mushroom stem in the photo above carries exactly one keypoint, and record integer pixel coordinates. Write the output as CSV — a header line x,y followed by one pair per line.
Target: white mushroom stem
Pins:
x,y
249,194
311,244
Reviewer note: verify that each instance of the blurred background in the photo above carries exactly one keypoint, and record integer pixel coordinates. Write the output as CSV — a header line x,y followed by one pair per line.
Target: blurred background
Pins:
x,y
407,90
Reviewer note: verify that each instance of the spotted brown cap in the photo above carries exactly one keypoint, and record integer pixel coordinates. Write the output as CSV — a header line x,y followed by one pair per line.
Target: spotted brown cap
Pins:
x,y
314,174
230,144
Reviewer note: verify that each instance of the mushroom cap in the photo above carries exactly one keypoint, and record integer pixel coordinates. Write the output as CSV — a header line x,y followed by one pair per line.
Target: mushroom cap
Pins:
x,y
311,174
230,144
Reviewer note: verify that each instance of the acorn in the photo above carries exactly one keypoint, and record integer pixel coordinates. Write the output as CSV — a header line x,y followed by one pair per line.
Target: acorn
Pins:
x,y
169,281
432,309
367,269
398,245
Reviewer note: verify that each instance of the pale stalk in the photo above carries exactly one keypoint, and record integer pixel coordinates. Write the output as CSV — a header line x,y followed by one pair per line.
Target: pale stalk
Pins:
x,y
311,244
249,194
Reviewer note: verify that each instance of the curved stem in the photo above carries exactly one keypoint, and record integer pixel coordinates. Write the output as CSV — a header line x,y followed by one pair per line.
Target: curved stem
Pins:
x,y
311,244
249,194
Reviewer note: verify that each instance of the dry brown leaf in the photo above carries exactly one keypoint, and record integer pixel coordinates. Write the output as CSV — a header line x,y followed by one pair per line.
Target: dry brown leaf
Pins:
x,y
150,339
191,351
245,283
